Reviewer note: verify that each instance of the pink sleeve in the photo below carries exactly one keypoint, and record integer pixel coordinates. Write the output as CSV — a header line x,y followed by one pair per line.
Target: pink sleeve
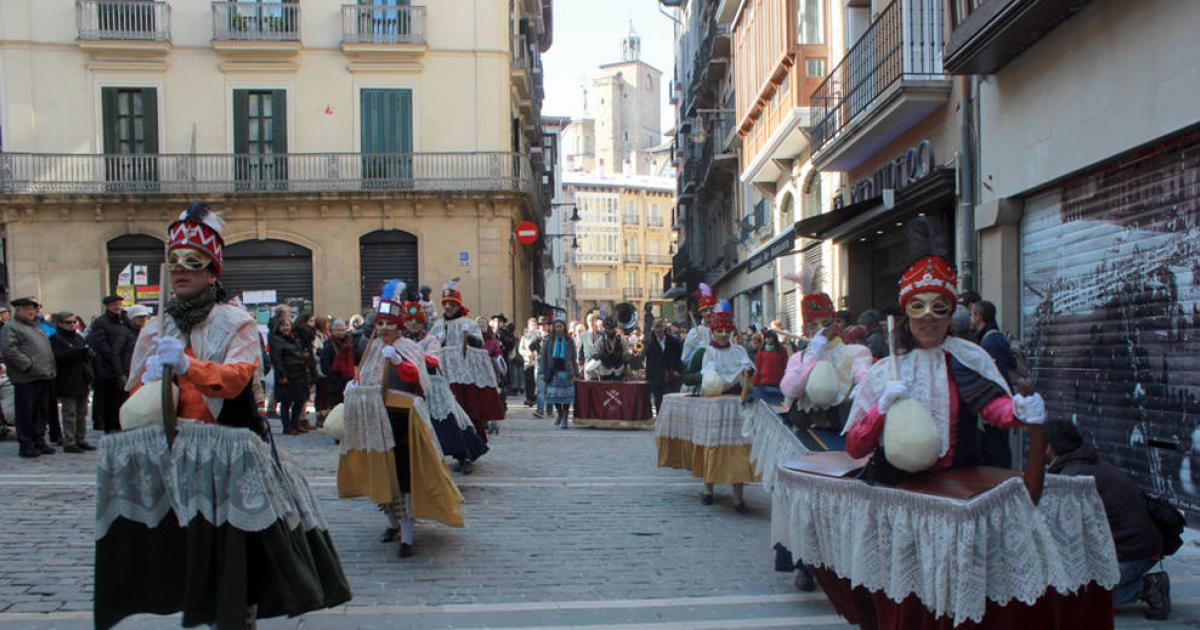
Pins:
x,y
863,437
795,377
999,412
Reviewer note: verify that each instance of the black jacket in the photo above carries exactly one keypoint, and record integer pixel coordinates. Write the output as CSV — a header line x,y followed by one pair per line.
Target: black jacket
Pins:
x,y
73,358
112,339
290,362
1134,534
660,359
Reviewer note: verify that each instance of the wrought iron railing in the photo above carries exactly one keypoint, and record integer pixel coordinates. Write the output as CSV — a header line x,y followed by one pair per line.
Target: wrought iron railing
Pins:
x,y
123,20
633,257
40,173
903,43
634,292
631,219
256,21
383,24
654,220
658,259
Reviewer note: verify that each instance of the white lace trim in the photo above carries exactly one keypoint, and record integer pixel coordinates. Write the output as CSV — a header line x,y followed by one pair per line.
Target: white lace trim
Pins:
x,y
728,363
442,402
223,474
925,373
366,422
771,441
955,556
715,421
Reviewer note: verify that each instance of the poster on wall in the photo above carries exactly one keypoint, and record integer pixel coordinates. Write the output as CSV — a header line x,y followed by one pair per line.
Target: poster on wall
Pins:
x,y
1111,314
141,275
127,293
147,294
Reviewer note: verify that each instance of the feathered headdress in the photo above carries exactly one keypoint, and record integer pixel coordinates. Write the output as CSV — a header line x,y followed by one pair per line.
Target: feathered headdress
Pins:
x,y
451,294
814,303
200,229
706,299
722,317
930,272
391,301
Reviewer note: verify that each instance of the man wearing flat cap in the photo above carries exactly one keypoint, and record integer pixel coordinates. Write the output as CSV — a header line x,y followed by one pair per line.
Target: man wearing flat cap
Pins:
x,y
112,339
31,369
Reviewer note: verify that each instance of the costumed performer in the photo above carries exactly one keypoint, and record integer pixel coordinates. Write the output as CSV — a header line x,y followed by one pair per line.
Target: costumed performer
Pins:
x,y
196,511
559,369
611,352
726,370
465,363
455,432
818,381
700,334
955,381
388,452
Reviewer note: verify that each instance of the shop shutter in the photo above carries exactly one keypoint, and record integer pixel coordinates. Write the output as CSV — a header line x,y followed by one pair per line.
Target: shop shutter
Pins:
x,y
1110,310
135,249
270,264
386,255
789,310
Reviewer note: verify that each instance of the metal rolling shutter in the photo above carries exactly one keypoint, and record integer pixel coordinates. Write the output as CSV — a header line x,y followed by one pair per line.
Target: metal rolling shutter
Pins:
x,y
385,255
265,265
135,249
789,309
1110,310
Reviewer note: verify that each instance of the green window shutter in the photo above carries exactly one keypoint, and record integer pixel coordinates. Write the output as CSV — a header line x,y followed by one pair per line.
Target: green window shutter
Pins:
x,y
279,120
406,122
108,108
150,118
241,142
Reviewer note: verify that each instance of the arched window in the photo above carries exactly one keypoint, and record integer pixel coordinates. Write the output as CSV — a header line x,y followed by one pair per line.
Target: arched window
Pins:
x,y
787,212
811,205
386,255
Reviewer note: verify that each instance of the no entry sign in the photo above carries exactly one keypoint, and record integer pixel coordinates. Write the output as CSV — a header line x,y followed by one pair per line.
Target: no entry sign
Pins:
x,y
527,233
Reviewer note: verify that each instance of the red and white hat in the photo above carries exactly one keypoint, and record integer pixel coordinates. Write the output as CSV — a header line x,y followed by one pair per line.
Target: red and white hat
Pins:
x,y
414,310
814,303
931,274
706,299
391,302
722,317
450,293
198,229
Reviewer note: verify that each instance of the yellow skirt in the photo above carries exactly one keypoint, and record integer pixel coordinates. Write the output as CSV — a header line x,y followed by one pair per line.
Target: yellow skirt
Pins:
x,y
368,474
714,464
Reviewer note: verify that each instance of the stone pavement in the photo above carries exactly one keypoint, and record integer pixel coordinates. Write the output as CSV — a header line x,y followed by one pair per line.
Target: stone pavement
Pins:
x,y
564,529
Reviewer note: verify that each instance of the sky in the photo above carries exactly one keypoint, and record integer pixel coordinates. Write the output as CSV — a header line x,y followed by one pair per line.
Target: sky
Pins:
x,y
588,33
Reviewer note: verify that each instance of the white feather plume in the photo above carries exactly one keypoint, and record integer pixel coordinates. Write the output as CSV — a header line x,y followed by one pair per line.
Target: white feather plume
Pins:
x,y
809,279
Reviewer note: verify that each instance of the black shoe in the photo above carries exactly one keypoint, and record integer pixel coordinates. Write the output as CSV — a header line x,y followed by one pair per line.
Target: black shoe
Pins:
x,y
741,508
466,467
30,453
406,550
706,499
1157,593
804,581
538,415
85,446
45,449
71,448
389,535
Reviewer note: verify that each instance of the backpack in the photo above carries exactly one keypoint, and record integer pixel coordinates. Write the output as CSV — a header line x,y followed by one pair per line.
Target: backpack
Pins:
x,y
1020,358
1169,521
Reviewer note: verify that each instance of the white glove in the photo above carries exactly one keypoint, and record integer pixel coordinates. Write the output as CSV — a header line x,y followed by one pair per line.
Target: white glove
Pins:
x,y
170,353
1030,409
153,371
817,345
350,385
392,356
893,391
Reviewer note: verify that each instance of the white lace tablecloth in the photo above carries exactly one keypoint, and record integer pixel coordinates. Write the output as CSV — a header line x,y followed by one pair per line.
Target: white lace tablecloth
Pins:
x,y
953,555
715,421
771,441
224,474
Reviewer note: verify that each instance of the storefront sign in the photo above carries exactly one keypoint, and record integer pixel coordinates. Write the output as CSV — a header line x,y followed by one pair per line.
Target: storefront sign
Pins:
x,y
126,292
259,297
898,174
771,252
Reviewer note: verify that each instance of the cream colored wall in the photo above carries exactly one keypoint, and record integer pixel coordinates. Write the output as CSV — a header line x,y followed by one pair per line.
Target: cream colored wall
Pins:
x,y
460,84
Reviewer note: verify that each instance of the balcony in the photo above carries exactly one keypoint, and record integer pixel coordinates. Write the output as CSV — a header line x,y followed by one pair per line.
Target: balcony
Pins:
x,y
634,292
74,174
631,219
889,81
140,28
599,294
994,32
633,258
655,221
256,27
383,31
658,259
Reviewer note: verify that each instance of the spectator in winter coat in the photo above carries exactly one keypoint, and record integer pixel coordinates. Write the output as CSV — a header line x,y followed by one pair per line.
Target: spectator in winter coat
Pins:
x,y
664,365
876,340
769,365
1136,537
73,360
994,442
337,363
291,376
111,338
30,365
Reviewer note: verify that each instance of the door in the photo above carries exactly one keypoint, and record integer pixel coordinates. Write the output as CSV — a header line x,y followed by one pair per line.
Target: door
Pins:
x,y
260,139
389,21
386,255
386,130
130,130
1110,313
270,265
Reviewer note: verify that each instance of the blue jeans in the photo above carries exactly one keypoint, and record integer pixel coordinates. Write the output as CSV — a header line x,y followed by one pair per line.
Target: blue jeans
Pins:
x,y
1129,586
770,393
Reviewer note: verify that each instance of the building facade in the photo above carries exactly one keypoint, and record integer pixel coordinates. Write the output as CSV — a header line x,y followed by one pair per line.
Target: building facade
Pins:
x,y
344,144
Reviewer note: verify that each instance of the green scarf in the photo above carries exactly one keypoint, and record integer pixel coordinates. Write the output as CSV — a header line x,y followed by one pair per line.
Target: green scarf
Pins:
x,y
189,312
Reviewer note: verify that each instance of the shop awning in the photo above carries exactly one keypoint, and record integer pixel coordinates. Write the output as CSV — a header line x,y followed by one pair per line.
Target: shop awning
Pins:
x,y
848,222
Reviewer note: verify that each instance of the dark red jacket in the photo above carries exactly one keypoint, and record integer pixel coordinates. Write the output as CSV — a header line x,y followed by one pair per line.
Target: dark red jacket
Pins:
x,y
769,367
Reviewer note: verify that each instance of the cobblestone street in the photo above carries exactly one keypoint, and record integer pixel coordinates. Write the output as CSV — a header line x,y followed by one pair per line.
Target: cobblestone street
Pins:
x,y
564,529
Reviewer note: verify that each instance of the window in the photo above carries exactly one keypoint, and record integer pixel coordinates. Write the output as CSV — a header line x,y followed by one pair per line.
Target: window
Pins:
x,y
631,279
260,134
787,213
597,279
811,204
810,28
814,67
130,121
386,134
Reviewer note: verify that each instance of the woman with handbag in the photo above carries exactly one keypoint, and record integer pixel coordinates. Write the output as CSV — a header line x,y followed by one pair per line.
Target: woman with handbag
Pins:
x,y
559,369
